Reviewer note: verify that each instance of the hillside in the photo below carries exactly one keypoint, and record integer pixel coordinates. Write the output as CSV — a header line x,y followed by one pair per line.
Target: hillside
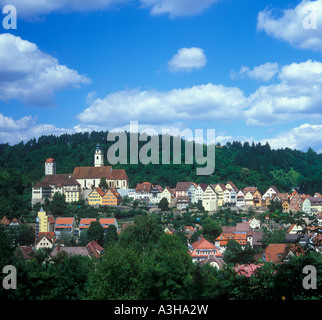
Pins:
x,y
244,164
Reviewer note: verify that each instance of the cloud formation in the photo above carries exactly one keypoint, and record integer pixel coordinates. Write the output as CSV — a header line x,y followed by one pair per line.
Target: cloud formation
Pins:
x,y
298,95
301,26
174,8
187,59
177,8
13,131
198,103
31,76
264,72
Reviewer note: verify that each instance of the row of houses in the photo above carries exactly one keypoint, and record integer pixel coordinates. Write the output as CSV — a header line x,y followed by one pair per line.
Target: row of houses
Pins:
x,y
217,195
250,232
47,223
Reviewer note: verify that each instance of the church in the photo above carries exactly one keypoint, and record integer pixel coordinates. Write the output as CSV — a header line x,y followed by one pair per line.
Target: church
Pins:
x,y
75,186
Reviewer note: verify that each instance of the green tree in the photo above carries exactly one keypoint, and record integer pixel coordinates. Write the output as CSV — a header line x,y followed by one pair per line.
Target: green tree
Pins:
x,y
244,174
58,204
143,234
235,253
276,236
117,276
275,205
211,229
167,269
111,236
95,232
103,183
164,204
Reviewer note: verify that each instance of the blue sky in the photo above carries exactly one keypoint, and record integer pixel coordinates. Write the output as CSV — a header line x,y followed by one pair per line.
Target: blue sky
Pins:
x,y
252,70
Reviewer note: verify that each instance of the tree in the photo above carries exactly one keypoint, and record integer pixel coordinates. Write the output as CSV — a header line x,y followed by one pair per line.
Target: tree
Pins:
x,y
170,267
211,229
111,236
235,253
275,205
58,204
143,234
244,173
164,204
276,236
117,276
95,232
103,183
200,206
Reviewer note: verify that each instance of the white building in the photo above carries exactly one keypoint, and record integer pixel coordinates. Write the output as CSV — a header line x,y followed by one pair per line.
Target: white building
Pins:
x,y
199,191
270,192
240,199
210,199
98,157
50,166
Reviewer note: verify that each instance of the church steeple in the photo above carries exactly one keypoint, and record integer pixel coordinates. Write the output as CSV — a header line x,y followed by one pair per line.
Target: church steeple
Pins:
x,y
98,157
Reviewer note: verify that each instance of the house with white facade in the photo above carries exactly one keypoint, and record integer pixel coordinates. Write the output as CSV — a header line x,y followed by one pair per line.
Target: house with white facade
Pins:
x,y
230,197
240,199
210,198
199,191
270,192
254,223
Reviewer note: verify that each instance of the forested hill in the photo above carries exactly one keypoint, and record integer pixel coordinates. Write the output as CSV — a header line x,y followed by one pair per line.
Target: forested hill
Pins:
x,y
244,164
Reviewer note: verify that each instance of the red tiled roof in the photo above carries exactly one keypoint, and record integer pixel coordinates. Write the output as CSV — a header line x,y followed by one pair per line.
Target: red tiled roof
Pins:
x,y
50,160
225,237
49,235
84,223
60,179
143,187
92,172
183,186
5,221
276,252
203,244
94,248
107,221
203,186
62,220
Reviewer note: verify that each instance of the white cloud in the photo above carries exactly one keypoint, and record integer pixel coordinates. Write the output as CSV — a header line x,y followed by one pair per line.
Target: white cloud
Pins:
x,y
14,131
35,8
198,103
300,138
264,72
31,76
298,95
188,59
301,26
178,7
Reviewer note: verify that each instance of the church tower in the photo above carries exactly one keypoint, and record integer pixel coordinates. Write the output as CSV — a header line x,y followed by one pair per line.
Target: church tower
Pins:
x,y
98,157
50,166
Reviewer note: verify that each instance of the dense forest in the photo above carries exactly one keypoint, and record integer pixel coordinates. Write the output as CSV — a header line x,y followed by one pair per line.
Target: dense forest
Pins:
x,y
245,164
